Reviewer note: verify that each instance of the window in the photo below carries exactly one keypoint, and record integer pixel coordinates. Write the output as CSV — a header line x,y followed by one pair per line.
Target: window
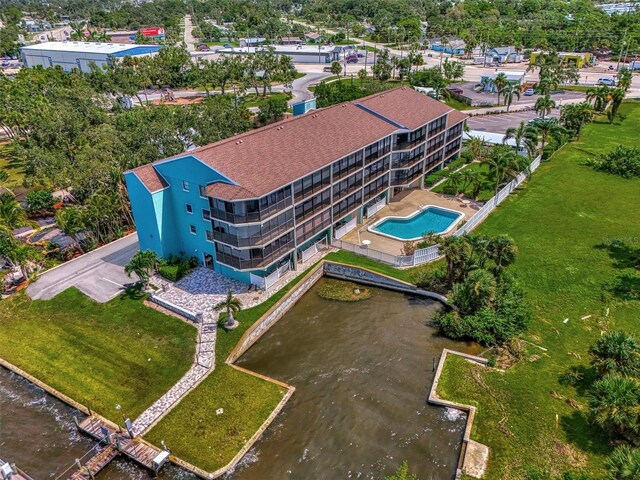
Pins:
x,y
185,185
206,214
189,208
192,229
203,194
209,235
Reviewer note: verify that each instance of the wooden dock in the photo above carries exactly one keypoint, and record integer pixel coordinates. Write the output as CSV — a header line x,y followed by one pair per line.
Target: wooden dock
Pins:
x,y
16,473
117,443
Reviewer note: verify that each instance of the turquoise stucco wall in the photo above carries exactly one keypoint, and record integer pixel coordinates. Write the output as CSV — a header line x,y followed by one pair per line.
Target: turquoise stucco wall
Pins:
x,y
162,220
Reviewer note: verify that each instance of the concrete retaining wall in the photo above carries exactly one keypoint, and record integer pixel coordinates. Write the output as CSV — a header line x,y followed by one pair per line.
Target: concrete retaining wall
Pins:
x,y
276,312
343,271
194,317
435,399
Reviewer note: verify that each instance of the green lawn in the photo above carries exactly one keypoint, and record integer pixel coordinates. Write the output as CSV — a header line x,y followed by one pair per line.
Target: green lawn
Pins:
x,y
251,100
488,185
247,402
457,104
121,352
560,222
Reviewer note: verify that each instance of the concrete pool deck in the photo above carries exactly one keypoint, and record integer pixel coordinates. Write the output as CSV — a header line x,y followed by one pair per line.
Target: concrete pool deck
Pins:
x,y
402,205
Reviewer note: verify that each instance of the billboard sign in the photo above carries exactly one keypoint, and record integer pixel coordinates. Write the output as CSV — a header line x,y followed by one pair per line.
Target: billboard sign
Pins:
x,y
152,32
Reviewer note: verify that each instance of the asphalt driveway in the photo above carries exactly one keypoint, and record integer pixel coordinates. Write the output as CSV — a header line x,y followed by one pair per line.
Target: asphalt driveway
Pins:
x,y
98,274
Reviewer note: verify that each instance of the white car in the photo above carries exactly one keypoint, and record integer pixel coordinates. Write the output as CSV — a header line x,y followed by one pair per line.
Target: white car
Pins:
x,y
609,82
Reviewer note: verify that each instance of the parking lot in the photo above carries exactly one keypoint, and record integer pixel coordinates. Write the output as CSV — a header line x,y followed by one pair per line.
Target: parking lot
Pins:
x,y
500,123
481,99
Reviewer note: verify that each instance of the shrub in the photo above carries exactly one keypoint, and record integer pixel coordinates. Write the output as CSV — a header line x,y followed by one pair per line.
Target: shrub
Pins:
x,y
614,401
616,352
622,160
623,464
173,268
39,201
435,177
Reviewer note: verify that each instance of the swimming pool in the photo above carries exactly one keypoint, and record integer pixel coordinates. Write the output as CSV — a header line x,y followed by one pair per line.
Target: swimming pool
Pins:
x,y
429,219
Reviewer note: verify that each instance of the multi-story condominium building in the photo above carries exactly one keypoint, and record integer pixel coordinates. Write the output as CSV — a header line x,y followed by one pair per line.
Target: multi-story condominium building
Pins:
x,y
247,205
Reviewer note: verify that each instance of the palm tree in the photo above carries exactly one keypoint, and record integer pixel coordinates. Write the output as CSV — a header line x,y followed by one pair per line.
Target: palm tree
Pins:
x,y
230,304
616,352
504,163
71,221
544,105
616,96
575,116
336,69
362,75
614,401
599,96
502,250
521,134
142,264
500,81
478,148
12,215
509,91
545,128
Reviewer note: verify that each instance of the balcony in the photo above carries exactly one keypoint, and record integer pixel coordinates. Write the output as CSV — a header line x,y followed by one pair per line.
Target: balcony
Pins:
x,y
306,193
257,262
376,192
253,240
251,217
406,160
345,192
377,154
406,179
409,144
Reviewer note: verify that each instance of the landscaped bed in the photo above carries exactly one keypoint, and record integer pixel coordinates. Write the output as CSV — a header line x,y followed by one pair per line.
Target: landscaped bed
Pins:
x,y
121,352
563,223
488,184
342,291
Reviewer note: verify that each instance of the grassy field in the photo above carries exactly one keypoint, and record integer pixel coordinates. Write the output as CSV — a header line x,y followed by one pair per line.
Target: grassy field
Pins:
x,y
486,191
247,402
121,352
457,104
251,100
562,223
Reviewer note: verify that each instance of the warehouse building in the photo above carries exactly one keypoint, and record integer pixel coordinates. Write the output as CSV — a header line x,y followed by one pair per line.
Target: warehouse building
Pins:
x,y
299,53
70,55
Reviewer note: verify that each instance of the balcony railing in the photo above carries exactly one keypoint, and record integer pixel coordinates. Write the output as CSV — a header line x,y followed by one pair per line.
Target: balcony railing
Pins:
x,y
376,155
306,193
256,262
345,173
408,144
406,160
310,213
375,192
345,192
263,214
406,179
253,240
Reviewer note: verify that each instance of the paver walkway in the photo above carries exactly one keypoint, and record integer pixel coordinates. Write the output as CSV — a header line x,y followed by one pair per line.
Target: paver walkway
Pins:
x,y
199,292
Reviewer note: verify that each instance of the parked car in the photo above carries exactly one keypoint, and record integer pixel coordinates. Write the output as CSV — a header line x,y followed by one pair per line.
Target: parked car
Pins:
x,y
609,82
351,58
203,48
457,90
5,63
362,54
227,45
327,69
528,92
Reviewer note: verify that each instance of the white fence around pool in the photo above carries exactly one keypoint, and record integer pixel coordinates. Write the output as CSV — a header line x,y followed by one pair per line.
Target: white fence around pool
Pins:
x,y
432,253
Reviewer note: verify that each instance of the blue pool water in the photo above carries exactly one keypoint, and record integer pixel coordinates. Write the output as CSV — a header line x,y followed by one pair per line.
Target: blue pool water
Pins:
x,y
429,220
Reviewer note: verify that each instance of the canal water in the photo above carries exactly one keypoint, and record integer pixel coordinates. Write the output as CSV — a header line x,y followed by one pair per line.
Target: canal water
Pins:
x,y
362,372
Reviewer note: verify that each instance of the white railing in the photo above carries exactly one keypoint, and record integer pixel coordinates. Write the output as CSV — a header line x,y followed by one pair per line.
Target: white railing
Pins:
x,y
344,229
309,252
432,253
375,208
257,280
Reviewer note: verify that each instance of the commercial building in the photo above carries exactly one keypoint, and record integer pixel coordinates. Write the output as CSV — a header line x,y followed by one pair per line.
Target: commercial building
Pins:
x,y
516,78
252,204
582,59
70,55
299,53
619,8
504,55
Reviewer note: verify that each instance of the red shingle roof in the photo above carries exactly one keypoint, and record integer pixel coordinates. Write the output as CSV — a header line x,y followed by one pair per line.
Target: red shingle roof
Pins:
x,y
150,178
405,106
455,117
262,160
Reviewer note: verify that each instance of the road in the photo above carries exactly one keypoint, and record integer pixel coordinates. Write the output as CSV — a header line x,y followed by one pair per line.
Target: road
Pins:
x,y
98,274
300,90
188,35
